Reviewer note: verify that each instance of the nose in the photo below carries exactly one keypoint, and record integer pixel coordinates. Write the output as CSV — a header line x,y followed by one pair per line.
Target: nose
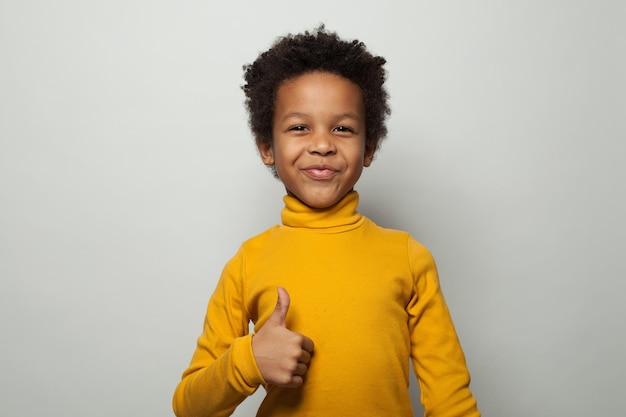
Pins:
x,y
322,143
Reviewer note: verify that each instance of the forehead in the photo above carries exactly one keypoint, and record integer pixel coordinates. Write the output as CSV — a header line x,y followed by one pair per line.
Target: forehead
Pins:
x,y
319,89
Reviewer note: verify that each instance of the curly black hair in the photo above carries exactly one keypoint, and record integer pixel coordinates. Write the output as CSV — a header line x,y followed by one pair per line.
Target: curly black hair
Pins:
x,y
293,55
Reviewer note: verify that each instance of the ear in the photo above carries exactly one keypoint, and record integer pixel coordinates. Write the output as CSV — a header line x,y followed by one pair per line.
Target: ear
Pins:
x,y
267,152
369,156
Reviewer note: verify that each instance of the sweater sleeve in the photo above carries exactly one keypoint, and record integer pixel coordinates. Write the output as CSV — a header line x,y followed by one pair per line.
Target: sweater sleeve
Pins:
x,y
223,371
436,353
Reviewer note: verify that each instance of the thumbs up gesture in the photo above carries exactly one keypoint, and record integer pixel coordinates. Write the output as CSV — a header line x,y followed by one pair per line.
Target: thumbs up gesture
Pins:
x,y
282,356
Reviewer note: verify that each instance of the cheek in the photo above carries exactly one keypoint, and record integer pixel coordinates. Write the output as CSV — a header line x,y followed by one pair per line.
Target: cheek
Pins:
x,y
286,153
358,156
281,162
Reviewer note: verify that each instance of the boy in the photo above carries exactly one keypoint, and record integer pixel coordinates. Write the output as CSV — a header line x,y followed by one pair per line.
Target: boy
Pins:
x,y
339,304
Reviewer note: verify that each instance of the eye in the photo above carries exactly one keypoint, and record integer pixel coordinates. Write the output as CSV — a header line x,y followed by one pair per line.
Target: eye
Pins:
x,y
297,128
343,129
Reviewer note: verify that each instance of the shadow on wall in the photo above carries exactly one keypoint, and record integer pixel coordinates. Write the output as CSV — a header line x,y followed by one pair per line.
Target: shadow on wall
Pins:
x,y
414,391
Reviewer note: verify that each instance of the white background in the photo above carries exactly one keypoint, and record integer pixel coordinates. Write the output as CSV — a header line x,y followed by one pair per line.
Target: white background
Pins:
x,y
128,178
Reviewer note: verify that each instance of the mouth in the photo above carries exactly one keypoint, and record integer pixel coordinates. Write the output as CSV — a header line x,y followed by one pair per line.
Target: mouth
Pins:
x,y
320,172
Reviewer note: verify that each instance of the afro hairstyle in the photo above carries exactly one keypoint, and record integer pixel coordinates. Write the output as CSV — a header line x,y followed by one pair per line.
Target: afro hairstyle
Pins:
x,y
293,55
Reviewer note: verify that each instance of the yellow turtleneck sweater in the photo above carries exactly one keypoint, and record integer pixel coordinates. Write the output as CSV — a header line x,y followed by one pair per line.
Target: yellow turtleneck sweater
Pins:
x,y
368,297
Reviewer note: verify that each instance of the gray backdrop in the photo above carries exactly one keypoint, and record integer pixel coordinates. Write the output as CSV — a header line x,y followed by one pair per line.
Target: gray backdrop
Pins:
x,y
128,178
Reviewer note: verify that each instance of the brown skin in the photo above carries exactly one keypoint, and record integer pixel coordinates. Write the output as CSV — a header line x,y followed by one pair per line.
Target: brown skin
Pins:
x,y
319,143
282,356
319,151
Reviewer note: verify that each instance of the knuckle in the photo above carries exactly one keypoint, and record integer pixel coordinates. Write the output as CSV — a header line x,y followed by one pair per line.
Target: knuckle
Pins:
x,y
283,379
295,352
291,366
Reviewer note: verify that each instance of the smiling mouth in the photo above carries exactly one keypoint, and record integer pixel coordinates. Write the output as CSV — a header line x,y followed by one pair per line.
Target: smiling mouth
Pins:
x,y
320,173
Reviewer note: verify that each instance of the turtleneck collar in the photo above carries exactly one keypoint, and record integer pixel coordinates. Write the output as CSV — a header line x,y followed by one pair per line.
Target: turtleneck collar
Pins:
x,y
342,215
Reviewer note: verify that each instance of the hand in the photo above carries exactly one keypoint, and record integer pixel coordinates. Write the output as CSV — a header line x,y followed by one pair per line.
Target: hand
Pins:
x,y
281,355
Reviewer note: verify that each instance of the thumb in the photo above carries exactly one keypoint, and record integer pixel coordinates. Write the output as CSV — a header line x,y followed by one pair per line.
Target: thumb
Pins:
x,y
279,315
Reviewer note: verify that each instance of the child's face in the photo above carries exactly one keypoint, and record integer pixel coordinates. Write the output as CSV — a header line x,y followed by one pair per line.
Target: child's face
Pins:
x,y
318,146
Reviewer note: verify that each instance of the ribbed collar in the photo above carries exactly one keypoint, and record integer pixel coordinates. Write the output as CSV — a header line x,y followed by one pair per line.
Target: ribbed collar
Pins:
x,y
343,213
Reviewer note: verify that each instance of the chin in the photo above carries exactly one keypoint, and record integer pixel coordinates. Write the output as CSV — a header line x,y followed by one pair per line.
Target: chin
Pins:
x,y
320,203
320,200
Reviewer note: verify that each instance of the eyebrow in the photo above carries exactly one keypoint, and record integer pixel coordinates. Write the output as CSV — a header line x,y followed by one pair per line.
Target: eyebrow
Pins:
x,y
339,116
